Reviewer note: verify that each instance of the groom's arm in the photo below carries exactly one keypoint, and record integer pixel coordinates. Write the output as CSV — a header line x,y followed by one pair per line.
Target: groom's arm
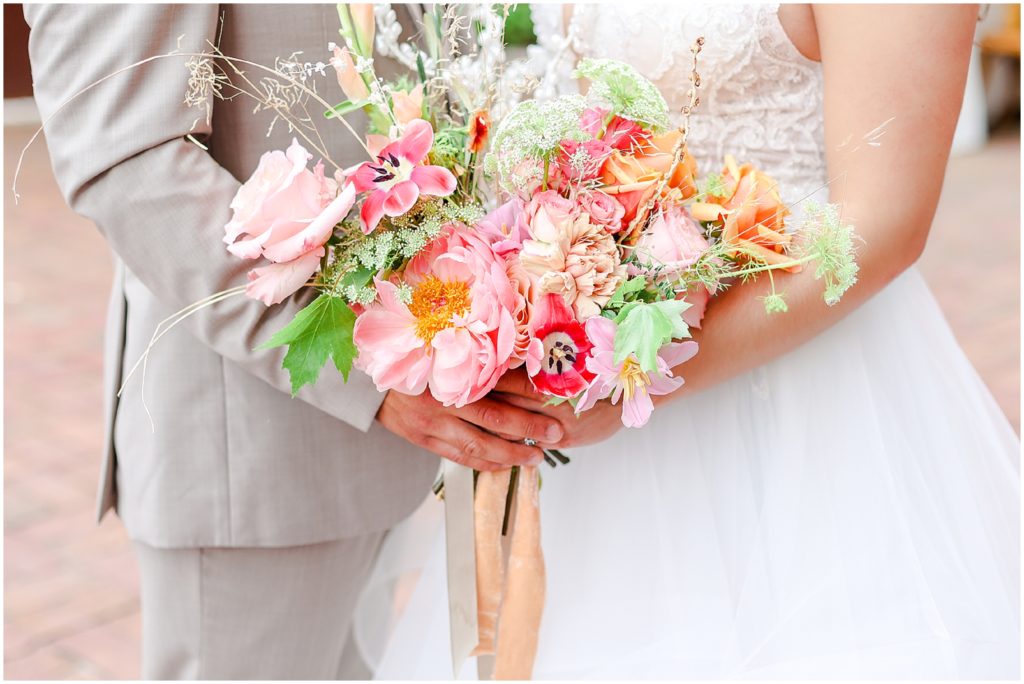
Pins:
x,y
121,159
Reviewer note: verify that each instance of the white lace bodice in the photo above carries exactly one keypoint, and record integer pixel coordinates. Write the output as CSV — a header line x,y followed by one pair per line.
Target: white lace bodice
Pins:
x,y
760,99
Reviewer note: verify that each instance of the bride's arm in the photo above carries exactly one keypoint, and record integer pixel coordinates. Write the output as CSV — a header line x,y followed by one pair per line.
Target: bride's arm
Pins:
x,y
901,64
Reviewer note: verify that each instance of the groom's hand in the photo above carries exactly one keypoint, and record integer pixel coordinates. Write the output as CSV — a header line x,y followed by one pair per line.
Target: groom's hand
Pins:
x,y
465,435
596,425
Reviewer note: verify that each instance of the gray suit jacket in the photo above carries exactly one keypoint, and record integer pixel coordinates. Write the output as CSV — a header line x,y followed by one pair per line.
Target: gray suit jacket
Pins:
x,y
230,459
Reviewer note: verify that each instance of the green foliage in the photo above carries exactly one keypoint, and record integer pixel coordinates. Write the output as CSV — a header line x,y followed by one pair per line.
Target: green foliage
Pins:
x,y
644,328
531,132
519,25
321,330
630,94
829,242
346,107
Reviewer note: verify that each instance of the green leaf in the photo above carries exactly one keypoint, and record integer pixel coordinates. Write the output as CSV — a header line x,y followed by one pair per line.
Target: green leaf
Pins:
x,y
346,107
321,330
628,287
358,278
644,328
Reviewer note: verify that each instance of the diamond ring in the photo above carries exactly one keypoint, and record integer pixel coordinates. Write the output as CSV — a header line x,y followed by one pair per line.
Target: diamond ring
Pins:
x,y
530,442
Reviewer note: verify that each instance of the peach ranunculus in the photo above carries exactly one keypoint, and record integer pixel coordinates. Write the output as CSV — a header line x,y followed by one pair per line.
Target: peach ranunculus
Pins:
x,y
454,333
408,106
569,255
633,176
751,211
285,213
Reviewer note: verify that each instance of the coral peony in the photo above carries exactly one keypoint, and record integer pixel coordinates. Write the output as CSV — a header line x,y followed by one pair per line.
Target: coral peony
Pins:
x,y
455,334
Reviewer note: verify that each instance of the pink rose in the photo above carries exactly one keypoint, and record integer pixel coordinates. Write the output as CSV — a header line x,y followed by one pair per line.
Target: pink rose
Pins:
x,y
285,213
671,244
604,210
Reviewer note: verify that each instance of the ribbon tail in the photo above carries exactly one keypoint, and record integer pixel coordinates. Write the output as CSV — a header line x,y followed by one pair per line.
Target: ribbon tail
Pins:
x,y
461,561
524,594
491,494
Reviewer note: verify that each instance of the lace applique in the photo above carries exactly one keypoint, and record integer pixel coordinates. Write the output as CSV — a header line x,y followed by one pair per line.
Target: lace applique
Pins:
x,y
761,100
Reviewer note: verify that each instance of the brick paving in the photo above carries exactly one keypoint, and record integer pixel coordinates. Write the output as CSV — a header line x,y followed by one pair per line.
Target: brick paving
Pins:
x,y
71,588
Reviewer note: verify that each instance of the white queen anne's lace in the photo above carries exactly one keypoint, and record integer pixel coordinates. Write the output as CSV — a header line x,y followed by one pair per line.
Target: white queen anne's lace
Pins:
x,y
760,99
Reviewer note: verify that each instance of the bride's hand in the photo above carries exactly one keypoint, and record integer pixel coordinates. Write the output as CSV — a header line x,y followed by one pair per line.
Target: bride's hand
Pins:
x,y
592,426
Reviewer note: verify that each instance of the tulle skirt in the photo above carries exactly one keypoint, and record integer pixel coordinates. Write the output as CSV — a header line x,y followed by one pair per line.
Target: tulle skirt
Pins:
x,y
849,510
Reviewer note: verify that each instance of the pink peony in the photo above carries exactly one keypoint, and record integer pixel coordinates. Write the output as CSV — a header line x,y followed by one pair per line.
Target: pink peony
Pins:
x,y
285,213
526,285
455,336
670,246
398,176
604,210
627,379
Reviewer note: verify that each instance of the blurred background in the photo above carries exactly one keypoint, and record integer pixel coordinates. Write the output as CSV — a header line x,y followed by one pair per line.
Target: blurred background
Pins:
x,y
71,587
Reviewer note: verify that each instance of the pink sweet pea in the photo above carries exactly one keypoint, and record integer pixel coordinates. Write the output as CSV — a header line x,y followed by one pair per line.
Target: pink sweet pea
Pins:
x,y
627,379
557,356
398,176
455,336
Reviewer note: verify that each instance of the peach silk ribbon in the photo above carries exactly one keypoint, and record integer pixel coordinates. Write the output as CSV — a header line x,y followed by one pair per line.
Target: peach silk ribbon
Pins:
x,y
510,596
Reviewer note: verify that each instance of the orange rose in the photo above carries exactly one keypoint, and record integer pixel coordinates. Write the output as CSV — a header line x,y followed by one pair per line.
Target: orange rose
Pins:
x,y
752,211
634,176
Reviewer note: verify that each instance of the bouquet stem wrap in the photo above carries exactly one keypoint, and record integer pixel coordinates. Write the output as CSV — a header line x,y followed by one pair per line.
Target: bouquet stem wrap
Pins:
x,y
509,588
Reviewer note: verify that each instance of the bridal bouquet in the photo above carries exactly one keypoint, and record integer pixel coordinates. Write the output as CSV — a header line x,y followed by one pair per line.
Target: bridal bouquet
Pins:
x,y
571,237
602,254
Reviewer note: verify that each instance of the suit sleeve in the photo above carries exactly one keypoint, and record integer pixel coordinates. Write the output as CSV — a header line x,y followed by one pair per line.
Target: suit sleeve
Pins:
x,y
121,159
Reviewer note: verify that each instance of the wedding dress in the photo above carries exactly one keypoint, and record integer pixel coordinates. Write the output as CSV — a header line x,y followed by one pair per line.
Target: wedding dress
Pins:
x,y
847,510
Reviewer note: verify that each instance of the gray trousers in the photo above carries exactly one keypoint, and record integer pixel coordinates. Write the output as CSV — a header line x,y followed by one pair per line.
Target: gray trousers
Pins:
x,y
253,613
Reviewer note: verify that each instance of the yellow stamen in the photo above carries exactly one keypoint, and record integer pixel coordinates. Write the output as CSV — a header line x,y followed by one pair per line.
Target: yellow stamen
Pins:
x,y
435,303
633,378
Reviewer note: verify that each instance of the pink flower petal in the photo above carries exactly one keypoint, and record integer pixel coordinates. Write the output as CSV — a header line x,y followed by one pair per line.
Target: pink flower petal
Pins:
x,y
415,143
676,353
375,143
434,180
272,284
601,332
372,211
636,411
363,177
317,232
400,198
